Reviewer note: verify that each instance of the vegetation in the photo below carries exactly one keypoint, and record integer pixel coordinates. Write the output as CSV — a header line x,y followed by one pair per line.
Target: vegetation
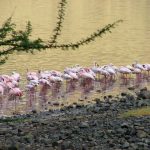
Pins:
x,y
12,40
144,111
9,119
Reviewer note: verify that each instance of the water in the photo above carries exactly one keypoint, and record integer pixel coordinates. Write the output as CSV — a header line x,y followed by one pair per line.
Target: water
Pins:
x,y
69,93
128,42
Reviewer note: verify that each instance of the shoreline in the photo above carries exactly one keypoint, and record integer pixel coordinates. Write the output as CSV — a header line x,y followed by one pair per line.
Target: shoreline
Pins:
x,y
94,126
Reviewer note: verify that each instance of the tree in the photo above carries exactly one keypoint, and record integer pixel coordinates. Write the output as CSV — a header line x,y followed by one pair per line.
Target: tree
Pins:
x,y
12,40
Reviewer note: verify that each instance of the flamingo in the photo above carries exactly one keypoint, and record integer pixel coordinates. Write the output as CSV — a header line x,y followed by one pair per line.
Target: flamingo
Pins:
x,y
71,78
124,71
32,76
1,97
111,71
1,90
16,76
147,68
87,79
31,91
104,72
56,83
137,65
44,89
15,93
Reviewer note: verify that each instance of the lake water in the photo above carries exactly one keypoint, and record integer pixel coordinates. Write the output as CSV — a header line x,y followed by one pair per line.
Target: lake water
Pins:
x,y
128,42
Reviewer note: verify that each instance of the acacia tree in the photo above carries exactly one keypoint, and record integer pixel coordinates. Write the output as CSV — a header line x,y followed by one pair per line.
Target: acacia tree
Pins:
x,y
12,40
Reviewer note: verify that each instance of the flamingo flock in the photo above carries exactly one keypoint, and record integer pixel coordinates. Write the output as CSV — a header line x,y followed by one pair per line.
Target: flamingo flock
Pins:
x,y
42,83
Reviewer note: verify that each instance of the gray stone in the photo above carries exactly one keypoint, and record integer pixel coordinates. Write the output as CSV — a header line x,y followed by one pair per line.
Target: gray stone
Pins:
x,y
125,145
147,141
84,125
3,131
141,134
124,125
144,102
67,145
96,109
123,94
144,94
134,146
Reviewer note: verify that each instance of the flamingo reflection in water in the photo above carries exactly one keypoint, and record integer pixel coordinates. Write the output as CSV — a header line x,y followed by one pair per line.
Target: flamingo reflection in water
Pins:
x,y
87,77
15,94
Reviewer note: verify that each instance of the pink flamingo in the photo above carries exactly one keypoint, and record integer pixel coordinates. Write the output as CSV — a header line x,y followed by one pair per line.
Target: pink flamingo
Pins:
x,y
87,79
31,91
44,89
111,72
32,76
124,72
15,93
1,97
56,84
15,76
147,68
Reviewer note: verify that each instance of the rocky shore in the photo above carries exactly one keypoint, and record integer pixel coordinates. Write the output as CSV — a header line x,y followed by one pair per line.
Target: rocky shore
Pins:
x,y
95,126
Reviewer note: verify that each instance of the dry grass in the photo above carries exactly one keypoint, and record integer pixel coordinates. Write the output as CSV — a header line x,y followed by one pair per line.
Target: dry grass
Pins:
x,y
144,111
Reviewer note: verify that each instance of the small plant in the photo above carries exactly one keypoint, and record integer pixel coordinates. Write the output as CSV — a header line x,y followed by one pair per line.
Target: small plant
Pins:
x,y
9,119
12,40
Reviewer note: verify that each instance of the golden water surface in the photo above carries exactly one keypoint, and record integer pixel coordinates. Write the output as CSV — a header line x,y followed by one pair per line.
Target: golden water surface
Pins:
x,y
128,42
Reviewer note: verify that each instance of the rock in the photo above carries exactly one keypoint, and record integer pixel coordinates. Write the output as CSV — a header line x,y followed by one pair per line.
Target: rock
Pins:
x,y
94,123
44,122
55,103
19,130
143,102
34,111
144,94
28,138
123,99
141,134
101,134
84,147
142,145
3,131
14,132
98,91
123,94
110,96
45,141
12,148
130,97
131,88
60,141
84,125
125,145
143,89
134,146
55,143
106,106
125,125
79,106
75,130
97,100
147,141
67,145
105,97
96,109
121,131
111,143
35,120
